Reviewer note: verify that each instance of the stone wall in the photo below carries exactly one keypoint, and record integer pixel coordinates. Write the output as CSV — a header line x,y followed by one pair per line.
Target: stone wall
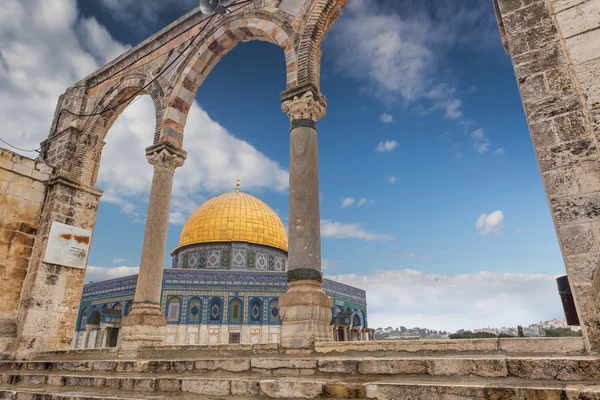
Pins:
x,y
22,192
555,49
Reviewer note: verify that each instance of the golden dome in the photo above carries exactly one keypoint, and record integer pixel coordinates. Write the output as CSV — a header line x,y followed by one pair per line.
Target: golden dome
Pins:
x,y
235,217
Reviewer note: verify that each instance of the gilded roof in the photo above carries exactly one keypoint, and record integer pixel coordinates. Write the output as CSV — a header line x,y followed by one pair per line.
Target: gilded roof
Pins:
x,y
235,217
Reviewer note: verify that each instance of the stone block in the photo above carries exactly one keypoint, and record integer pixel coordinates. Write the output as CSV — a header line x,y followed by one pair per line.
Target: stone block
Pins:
x,y
584,47
588,75
391,391
225,365
576,209
577,239
22,169
289,363
245,388
345,391
105,366
525,18
561,5
538,60
207,387
289,389
144,385
488,368
382,366
578,19
168,385
561,369
337,366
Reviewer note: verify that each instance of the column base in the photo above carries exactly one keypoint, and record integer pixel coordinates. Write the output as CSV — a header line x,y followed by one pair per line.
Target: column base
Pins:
x,y
305,315
144,326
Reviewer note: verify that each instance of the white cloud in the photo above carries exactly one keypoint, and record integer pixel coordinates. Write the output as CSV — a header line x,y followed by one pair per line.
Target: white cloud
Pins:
x,y
500,151
347,202
338,230
388,145
393,179
492,223
522,230
396,55
45,47
58,48
480,141
214,159
118,260
98,274
451,302
386,118
362,202
328,265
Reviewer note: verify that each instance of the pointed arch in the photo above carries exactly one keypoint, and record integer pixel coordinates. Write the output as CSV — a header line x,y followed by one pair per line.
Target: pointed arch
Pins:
x,y
219,40
89,145
194,311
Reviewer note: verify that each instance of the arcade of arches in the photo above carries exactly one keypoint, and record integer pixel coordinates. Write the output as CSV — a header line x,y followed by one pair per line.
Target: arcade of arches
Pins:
x,y
553,46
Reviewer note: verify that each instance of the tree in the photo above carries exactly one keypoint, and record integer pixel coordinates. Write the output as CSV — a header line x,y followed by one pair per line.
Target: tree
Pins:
x,y
520,330
561,332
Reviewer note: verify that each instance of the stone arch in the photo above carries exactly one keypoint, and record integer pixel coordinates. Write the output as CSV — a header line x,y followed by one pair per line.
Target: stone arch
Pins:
x,y
92,139
255,311
221,39
320,18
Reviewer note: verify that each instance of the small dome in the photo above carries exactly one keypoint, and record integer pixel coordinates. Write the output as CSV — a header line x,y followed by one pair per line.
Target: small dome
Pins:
x,y
235,217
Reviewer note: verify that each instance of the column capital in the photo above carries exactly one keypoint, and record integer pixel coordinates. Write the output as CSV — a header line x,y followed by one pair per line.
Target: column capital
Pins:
x,y
304,103
165,155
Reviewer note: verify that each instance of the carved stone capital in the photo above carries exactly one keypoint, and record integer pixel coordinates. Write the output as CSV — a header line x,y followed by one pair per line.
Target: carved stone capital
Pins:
x,y
165,155
305,106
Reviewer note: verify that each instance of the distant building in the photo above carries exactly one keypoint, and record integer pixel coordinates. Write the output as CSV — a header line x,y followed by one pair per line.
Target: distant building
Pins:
x,y
229,270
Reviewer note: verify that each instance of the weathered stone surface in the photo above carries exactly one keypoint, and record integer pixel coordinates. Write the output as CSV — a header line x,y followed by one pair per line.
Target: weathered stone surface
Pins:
x,y
245,388
421,392
489,368
392,366
292,389
207,387
345,391
548,369
225,365
338,366
290,363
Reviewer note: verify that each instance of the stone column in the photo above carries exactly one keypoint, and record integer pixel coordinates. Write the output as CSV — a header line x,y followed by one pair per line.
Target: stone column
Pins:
x,y
305,308
145,325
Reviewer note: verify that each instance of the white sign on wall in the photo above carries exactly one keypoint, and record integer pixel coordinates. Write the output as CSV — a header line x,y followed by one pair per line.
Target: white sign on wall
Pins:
x,y
68,246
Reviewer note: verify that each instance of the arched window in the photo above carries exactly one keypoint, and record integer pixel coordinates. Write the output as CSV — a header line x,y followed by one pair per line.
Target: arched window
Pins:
x,y
355,320
235,311
274,317
215,311
195,311
363,319
338,310
118,307
83,318
173,309
95,319
128,307
255,311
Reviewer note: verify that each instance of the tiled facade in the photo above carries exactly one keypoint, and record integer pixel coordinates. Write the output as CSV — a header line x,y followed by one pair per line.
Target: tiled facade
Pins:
x,y
204,306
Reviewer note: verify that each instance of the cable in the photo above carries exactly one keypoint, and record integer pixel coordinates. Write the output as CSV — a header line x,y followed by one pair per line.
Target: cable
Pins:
x,y
18,148
64,110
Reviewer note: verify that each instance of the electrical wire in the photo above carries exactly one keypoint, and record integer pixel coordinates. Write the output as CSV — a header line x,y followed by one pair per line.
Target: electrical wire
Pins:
x,y
136,94
18,148
111,108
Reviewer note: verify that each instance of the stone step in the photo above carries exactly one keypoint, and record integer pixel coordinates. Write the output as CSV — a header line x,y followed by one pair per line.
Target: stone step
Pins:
x,y
567,368
45,392
417,348
285,388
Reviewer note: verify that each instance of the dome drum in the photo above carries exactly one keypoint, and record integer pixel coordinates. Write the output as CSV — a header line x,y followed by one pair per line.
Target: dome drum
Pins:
x,y
230,256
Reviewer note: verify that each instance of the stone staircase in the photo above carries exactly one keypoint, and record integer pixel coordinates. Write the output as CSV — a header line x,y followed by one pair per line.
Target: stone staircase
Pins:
x,y
428,370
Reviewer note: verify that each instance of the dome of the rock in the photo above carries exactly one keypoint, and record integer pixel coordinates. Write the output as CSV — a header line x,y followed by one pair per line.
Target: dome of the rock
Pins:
x,y
235,217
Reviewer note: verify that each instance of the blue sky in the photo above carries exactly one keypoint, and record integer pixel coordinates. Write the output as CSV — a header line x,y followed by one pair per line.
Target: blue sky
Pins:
x,y
429,183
